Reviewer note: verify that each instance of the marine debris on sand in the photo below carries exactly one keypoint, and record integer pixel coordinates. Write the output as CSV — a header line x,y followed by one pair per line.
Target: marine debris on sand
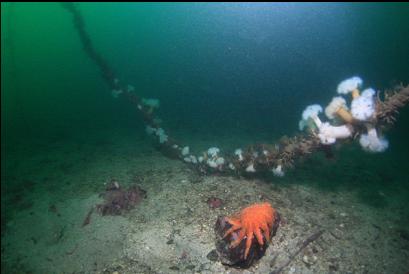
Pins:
x,y
117,200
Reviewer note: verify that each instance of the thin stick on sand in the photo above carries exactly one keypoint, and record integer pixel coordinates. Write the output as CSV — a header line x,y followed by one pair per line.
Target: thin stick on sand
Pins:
x,y
300,246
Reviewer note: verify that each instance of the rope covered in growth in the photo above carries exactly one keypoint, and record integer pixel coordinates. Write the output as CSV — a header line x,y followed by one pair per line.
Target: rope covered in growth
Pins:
x,y
388,108
258,158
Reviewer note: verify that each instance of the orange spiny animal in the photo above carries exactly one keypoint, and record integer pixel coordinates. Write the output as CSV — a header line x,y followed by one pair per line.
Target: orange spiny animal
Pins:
x,y
252,221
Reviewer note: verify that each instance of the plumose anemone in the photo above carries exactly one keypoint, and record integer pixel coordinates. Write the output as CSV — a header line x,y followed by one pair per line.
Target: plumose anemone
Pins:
x,y
372,143
363,107
350,85
327,133
338,108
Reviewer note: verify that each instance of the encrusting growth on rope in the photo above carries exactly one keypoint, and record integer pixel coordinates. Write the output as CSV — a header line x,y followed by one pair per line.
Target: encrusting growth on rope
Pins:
x,y
363,119
388,108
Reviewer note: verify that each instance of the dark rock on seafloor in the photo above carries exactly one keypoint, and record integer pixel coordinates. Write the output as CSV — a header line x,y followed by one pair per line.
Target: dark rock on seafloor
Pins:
x,y
212,255
235,256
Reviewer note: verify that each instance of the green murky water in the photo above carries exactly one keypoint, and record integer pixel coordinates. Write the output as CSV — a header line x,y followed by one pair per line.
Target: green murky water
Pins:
x,y
225,74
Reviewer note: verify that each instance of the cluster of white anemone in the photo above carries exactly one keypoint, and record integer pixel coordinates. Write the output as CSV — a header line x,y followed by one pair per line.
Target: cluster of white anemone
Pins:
x,y
277,171
187,157
327,133
362,110
116,92
214,160
150,102
211,157
158,132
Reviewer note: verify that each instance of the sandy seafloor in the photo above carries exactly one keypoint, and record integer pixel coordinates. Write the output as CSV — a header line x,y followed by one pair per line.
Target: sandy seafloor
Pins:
x,y
52,185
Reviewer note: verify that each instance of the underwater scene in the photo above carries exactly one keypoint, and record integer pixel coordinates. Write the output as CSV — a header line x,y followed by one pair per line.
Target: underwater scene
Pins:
x,y
204,138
